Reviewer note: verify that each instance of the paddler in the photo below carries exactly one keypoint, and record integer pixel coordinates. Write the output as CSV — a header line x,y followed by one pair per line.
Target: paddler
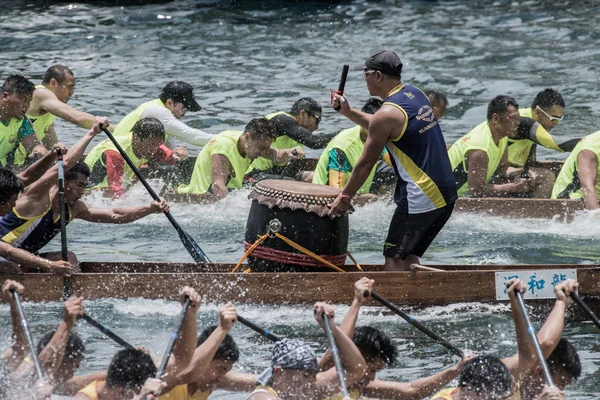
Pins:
x,y
50,101
110,172
34,221
579,175
129,370
379,350
173,103
438,101
405,124
341,154
294,129
221,164
480,158
15,128
294,371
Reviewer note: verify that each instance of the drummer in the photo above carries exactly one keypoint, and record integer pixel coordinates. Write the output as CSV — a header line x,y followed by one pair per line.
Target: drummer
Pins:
x,y
221,164
294,129
341,154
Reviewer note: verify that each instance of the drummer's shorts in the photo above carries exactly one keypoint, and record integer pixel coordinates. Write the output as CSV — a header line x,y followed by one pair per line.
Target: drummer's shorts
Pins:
x,y
413,233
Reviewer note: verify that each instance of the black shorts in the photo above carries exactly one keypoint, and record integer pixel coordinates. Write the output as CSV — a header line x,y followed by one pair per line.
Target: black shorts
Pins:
x,y
413,233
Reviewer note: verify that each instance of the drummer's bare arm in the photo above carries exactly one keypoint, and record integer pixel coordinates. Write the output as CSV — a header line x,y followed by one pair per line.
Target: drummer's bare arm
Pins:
x,y
39,168
354,115
588,175
118,215
220,167
477,162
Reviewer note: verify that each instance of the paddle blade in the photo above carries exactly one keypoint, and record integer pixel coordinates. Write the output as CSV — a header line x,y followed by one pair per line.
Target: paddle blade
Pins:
x,y
193,248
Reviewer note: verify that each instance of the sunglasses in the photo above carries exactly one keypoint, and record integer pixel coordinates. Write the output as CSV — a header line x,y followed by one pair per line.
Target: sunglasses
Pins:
x,y
368,72
550,117
317,117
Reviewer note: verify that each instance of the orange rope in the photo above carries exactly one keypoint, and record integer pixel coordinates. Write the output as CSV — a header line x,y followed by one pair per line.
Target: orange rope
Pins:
x,y
250,250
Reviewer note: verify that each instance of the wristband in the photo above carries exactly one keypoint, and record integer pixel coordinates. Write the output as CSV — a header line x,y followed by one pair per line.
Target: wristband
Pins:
x,y
345,197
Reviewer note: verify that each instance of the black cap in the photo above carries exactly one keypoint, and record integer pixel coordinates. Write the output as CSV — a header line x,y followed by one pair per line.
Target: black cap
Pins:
x,y
385,61
181,92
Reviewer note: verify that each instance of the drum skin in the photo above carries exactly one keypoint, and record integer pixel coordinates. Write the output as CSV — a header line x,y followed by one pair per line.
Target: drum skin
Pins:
x,y
302,211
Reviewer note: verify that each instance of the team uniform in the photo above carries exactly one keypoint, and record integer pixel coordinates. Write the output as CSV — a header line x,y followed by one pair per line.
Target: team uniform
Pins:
x,y
225,143
567,184
426,190
339,158
177,393
11,135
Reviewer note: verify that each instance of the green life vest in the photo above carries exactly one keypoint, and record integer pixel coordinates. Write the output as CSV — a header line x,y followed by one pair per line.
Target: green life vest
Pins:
x,y
127,123
567,184
480,138
348,141
11,134
41,124
518,150
224,143
95,156
282,142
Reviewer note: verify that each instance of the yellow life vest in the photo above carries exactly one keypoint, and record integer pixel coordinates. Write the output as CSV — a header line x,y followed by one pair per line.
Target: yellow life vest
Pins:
x,y
91,390
480,138
348,141
445,394
11,134
282,142
224,143
126,125
567,184
354,394
95,156
263,389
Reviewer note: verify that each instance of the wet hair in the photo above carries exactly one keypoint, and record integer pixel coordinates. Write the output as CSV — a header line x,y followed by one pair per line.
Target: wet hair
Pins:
x,y
58,72
434,95
79,168
10,184
261,128
547,98
149,128
486,375
307,104
374,343
499,105
227,350
18,84
129,369
73,351
372,106
565,357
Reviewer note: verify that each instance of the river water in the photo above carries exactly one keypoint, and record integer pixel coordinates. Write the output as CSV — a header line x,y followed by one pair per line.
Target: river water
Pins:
x,y
247,59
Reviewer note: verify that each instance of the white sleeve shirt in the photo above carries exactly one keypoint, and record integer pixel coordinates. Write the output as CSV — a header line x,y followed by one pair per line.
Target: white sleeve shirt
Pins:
x,y
176,128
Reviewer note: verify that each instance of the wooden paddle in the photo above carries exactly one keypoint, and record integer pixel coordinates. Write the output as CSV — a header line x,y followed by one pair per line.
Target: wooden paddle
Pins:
x,y
533,338
263,332
585,309
190,244
416,324
336,357
64,252
25,325
104,329
171,345
342,86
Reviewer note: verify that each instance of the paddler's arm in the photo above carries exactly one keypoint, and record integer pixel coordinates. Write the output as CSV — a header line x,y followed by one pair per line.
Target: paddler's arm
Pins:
x,y
14,355
588,176
50,139
183,352
220,167
24,257
526,352
118,215
204,354
41,187
282,156
477,161
39,168
53,105
358,117
288,126
352,361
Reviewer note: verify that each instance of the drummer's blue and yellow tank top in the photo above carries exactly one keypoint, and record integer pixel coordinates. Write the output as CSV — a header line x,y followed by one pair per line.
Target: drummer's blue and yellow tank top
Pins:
x,y
419,156
31,233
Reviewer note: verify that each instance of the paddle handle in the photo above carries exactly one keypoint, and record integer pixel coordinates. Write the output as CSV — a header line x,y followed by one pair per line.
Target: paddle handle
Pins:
x,y
25,325
263,332
336,357
534,340
104,329
64,252
585,308
200,257
416,324
171,345
342,85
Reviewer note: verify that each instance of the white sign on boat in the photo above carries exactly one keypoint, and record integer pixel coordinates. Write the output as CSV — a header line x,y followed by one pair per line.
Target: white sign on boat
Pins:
x,y
540,283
